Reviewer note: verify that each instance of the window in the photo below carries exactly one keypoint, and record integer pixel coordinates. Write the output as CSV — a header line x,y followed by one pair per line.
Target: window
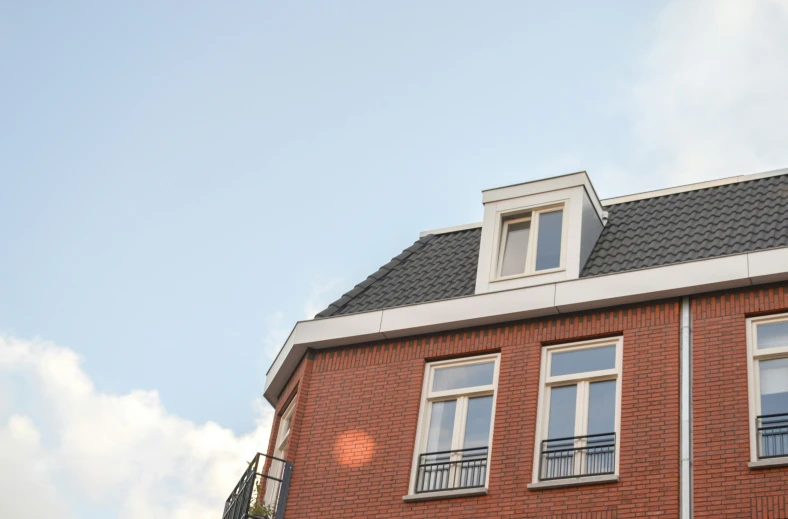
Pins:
x,y
767,346
455,426
283,436
531,242
579,410
277,467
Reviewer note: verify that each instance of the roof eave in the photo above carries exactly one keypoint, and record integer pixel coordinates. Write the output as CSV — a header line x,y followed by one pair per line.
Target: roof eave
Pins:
x,y
562,297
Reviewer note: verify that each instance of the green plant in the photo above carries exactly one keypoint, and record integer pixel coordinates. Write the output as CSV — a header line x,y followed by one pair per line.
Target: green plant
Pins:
x,y
260,510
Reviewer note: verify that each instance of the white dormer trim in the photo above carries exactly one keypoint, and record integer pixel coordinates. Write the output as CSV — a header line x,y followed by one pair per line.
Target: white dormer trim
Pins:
x,y
581,225
544,186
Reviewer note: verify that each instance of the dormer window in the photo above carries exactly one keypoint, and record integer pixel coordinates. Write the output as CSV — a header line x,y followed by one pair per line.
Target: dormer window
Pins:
x,y
530,242
537,233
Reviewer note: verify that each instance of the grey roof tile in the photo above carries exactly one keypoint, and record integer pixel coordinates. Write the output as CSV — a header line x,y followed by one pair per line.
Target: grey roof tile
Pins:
x,y
682,227
439,266
694,225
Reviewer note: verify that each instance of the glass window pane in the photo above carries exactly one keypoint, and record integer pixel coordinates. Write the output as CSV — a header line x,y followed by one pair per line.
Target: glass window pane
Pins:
x,y
515,248
563,402
477,426
772,335
602,407
774,386
548,245
581,361
441,426
457,377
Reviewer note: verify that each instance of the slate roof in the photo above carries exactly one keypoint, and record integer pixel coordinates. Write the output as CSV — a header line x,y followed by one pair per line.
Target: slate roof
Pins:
x,y
693,225
437,266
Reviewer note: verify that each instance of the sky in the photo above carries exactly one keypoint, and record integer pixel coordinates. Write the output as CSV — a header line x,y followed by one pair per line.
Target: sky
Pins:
x,y
180,182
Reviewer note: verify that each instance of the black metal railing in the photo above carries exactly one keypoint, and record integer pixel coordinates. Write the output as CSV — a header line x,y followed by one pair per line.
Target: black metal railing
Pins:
x,y
261,493
577,456
450,470
772,435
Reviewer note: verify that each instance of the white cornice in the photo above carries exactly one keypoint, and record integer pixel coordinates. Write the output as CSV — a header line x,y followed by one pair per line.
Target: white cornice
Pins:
x,y
455,228
524,303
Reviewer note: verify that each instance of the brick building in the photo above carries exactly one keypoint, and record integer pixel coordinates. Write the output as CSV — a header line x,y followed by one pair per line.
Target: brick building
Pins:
x,y
566,358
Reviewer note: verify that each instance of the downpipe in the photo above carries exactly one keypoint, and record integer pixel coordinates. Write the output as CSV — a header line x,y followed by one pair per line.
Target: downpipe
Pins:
x,y
686,409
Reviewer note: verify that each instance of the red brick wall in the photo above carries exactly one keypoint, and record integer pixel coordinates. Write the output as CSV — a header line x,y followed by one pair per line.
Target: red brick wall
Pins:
x,y
724,485
358,407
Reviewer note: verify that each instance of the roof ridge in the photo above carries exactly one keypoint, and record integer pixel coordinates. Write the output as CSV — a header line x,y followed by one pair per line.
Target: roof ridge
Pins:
x,y
382,272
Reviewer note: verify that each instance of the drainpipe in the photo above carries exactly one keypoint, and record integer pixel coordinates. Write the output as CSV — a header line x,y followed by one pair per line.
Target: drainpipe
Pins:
x,y
686,409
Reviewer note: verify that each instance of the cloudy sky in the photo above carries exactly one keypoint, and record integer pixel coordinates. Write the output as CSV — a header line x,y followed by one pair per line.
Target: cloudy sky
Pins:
x,y
181,181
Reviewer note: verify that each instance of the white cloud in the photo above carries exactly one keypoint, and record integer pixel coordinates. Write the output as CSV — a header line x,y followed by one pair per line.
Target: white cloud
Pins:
x,y
26,486
124,453
710,99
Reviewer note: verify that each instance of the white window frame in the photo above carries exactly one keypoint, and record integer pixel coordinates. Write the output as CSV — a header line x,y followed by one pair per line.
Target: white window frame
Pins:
x,y
583,381
283,434
428,397
276,468
533,214
754,356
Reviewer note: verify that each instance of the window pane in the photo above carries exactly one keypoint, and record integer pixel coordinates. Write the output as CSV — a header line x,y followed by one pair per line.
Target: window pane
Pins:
x,y
441,426
772,335
563,401
774,386
477,427
458,377
515,247
548,246
602,407
581,361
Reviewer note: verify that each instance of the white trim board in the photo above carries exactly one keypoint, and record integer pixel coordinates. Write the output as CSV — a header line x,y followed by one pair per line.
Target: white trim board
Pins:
x,y
693,187
543,186
525,303
454,228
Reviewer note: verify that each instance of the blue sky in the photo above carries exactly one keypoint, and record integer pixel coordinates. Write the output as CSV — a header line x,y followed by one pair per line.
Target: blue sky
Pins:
x,y
180,182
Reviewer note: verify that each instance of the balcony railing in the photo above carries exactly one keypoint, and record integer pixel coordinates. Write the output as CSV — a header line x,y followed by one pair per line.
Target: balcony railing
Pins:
x,y
262,491
451,470
577,456
772,435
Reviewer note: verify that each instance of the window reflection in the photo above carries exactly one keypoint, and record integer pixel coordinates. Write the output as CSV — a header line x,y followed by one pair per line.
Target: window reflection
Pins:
x,y
582,361
458,377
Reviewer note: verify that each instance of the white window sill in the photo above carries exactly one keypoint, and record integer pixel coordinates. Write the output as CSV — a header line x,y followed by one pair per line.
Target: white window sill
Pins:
x,y
574,482
769,463
445,494
527,274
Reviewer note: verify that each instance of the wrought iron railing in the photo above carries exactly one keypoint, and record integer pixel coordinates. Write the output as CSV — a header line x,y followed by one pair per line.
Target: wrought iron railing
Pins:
x,y
577,456
772,435
451,470
261,493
